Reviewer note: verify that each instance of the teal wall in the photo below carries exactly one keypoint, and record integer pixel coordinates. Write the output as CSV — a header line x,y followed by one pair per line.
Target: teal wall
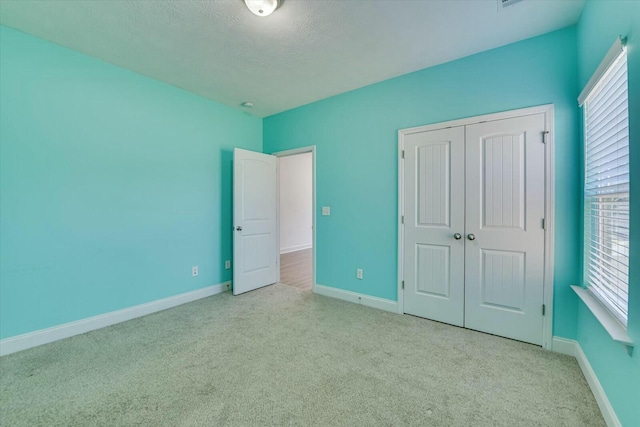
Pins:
x,y
357,174
112,185
601,22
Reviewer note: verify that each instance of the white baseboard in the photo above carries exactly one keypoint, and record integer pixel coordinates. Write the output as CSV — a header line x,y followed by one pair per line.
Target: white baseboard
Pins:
x,y
66,330
564,346
573,348
375,302
608,413
295,248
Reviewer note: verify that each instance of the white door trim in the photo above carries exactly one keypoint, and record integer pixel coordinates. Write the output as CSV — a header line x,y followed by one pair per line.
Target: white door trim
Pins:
x,y
309,149
548,111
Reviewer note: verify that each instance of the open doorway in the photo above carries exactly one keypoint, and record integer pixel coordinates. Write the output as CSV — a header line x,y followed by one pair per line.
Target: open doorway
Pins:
x,y
296,236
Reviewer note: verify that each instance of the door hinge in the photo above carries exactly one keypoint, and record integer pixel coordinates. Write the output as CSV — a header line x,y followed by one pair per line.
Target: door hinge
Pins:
x,y
545,134
403,154
403,284
544,224
403,219
543,309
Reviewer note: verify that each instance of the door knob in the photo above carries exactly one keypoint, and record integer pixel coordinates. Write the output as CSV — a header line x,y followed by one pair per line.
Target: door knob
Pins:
x,y
239,228
471,236
457,236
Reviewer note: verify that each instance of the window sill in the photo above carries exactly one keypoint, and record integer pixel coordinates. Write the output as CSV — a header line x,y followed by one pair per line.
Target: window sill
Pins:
x,y
611,325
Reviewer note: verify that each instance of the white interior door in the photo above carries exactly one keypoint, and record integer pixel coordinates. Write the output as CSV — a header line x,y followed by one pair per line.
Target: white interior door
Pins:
x,y
434,213
505,197
255,250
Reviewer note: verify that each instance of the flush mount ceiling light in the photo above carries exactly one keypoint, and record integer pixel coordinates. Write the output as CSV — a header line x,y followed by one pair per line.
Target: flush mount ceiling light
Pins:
x,y
262,7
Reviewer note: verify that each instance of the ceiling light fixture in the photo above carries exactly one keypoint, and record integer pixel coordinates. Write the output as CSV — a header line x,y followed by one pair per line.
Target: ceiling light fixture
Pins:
x,y
262,7
247,104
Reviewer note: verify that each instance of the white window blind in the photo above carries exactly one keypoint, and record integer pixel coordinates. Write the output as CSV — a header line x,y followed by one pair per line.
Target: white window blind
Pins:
x,y
606,191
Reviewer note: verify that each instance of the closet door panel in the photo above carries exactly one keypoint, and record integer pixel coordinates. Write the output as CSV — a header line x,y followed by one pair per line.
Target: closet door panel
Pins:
x,y
504,247
434,213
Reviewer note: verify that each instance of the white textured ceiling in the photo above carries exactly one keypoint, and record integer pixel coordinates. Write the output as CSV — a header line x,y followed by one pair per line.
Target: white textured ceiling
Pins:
x,y
307,50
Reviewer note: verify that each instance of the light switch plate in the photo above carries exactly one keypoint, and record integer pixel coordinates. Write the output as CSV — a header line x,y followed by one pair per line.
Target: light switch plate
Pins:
x,y
326,211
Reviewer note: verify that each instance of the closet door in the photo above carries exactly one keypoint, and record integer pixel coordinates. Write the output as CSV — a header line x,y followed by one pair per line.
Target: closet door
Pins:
x,y
504,241
434,213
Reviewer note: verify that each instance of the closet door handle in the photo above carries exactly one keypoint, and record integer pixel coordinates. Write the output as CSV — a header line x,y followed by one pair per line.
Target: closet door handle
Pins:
x,y
239,228
471,236
457,236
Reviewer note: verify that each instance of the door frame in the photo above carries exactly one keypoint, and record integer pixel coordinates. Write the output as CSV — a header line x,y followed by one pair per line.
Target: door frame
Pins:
x,y
309,149
548,111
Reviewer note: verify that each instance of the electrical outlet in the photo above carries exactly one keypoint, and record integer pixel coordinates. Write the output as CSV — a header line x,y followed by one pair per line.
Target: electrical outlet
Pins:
x,y
227,264
359,273
194,270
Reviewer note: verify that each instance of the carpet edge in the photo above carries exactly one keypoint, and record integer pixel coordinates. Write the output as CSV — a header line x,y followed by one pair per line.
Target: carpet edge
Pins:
x,y
573,348
44,336
357,298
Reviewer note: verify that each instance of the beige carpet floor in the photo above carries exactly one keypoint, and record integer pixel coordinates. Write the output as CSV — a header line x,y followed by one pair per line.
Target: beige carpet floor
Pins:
x,y
280,356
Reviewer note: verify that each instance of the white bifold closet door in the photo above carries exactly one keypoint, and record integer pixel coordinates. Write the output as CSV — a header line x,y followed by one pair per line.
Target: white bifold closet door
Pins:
x,y
434,212
474,237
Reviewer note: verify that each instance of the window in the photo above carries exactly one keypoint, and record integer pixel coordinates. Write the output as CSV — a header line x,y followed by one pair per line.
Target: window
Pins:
x,y
606,187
